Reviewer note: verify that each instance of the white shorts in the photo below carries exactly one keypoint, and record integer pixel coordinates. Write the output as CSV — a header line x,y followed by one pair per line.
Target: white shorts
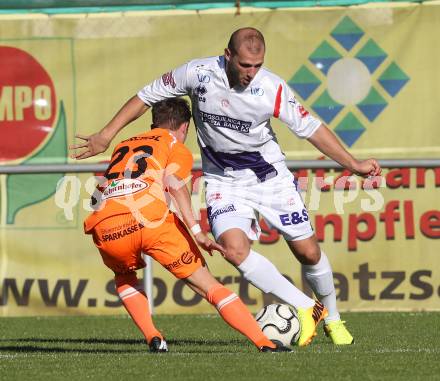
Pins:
x,y
277,200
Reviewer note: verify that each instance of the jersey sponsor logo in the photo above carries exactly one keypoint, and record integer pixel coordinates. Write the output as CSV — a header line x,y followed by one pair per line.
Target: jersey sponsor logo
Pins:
x,y
257,91
120,233
168,79
123,187
226,209
203,78
294,218
187,257
226,122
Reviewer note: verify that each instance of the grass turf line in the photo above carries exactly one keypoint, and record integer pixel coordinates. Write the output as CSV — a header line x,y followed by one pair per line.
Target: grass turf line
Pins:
x,y
389,346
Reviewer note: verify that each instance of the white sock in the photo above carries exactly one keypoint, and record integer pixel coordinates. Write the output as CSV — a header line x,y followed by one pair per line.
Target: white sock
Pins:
x,y
320,279
262,273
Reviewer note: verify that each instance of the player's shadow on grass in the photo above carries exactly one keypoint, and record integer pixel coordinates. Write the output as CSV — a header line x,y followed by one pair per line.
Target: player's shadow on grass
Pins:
x,y
33,348
123,341
30,345
205,342
69,340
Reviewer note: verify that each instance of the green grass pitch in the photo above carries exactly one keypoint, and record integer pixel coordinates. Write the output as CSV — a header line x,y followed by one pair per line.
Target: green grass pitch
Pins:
x,y
389,346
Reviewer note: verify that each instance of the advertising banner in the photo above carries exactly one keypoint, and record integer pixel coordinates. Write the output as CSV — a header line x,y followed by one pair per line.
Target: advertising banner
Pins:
x,y
370,73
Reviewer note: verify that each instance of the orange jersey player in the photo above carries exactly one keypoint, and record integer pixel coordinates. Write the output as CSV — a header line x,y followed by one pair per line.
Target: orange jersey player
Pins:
x,y
132,216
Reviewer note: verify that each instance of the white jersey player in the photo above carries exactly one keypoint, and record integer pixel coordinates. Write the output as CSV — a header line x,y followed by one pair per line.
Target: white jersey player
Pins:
x,y
233,99
233,125
242,161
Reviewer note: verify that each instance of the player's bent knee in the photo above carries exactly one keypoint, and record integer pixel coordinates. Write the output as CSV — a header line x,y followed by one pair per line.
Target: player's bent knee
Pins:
x,y
309,257
307,251
237,246
236,255
126,278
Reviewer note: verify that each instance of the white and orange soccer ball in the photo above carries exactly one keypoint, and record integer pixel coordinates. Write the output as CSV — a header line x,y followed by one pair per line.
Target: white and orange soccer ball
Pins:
x,y
280,323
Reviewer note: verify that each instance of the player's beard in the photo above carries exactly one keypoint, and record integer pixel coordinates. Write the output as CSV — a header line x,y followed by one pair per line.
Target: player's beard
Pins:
x,y
233,76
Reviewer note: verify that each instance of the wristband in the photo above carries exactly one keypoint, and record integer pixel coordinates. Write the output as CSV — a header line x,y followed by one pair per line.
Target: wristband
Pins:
x,y
196,229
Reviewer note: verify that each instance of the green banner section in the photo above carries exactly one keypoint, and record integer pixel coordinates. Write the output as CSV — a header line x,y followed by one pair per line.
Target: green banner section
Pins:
x,y
370,73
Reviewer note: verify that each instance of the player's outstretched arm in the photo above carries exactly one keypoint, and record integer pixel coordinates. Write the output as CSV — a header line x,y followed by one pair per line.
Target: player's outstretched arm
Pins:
x,y
182,199
99,142
326,142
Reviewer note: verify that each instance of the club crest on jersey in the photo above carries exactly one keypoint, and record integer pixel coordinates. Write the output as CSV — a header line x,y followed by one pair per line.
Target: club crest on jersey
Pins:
x,y
225,103
257,91
203,78
168,79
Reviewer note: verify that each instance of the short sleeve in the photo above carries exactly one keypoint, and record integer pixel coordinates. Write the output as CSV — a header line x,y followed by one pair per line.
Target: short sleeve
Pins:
x,y
180,161
169,85
293,114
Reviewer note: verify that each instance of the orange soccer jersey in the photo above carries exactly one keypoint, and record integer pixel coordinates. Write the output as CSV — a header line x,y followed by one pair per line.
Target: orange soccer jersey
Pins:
x,y
132,213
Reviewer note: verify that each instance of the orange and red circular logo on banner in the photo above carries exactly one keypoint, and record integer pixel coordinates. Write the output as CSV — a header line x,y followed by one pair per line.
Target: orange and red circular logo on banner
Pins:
x,y
27,103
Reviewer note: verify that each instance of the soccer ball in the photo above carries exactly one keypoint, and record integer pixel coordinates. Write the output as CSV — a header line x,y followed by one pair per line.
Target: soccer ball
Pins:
x,y
280,323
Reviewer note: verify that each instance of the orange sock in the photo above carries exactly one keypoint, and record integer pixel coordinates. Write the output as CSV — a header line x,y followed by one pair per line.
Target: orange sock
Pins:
x,y
234,312
136,303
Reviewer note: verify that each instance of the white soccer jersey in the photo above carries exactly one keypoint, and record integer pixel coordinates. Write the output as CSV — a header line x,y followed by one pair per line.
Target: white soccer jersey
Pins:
x,y
233,126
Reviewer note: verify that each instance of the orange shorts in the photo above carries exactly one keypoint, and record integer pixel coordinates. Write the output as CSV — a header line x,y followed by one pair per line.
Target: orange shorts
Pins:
x,y
121,240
